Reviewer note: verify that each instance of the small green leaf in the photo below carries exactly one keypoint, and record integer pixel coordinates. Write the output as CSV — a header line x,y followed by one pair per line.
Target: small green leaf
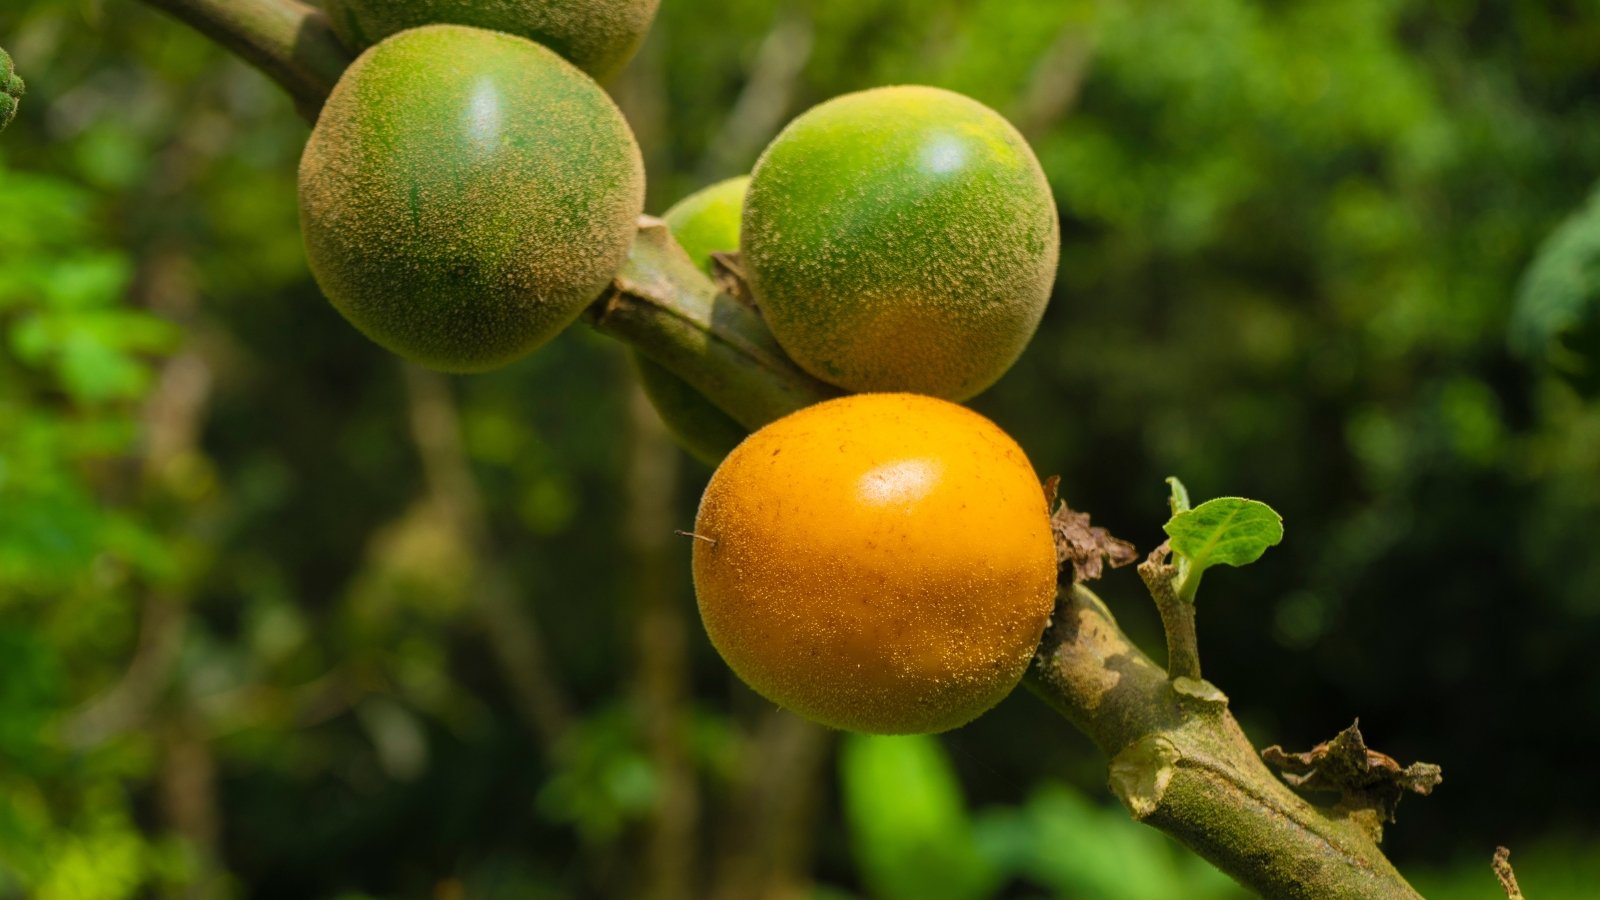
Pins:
x,y
1179,501
1229,531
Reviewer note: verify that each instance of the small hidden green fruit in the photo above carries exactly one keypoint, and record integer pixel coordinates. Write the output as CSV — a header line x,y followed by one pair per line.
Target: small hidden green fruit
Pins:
x,y
707,221
597,36
879,562
901,239
703,223
465,194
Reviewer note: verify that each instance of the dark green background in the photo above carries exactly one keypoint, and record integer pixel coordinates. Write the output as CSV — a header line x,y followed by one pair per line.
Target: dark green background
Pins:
x,y
249,610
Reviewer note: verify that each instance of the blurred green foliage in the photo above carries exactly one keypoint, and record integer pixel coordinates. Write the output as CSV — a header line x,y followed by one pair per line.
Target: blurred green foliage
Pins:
x,y
245,645
77,358
914,837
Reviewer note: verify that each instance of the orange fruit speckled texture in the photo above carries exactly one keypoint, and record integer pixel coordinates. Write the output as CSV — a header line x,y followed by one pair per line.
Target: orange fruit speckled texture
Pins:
x,y
879,563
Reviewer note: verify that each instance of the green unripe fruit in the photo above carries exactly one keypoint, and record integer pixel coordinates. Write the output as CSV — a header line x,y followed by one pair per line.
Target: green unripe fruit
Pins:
x,y
702,223
901,239
707,221
597,36
11,90
465,194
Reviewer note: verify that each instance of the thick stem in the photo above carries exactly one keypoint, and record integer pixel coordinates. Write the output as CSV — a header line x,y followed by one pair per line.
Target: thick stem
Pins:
x,y
666,308
1183,765
290,41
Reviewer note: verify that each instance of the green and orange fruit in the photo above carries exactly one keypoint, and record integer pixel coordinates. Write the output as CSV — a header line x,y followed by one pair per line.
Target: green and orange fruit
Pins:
x,y
901,239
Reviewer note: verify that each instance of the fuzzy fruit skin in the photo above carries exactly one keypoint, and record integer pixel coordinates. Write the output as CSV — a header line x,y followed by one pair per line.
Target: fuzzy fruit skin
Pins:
x,y
11,90
901,238
597,36
702,223
465,194
879,563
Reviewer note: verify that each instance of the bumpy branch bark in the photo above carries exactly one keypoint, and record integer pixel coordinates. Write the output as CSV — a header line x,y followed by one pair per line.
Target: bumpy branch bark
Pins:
x,y
1179,759
1181,763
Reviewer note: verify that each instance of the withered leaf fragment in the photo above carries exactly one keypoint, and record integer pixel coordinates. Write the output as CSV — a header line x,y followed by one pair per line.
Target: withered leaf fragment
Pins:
x,y
1087,549
1370,784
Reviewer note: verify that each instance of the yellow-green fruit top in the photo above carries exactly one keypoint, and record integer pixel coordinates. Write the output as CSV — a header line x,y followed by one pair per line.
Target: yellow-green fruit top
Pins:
x,y
597,36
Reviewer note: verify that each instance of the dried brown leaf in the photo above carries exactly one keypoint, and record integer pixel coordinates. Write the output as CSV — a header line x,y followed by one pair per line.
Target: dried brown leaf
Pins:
x,y
1367,781
1086,548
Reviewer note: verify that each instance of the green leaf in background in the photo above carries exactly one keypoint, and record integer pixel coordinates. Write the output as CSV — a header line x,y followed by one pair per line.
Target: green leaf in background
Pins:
x,y
1065,842
909,827
1557,311
1229,531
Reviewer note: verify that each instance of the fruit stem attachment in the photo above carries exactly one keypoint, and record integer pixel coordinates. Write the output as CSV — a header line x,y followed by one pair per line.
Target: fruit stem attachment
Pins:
x,y
663,305
292,42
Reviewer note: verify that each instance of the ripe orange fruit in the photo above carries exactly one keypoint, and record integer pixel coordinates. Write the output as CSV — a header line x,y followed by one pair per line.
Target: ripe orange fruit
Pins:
x,y
901,239
879,563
